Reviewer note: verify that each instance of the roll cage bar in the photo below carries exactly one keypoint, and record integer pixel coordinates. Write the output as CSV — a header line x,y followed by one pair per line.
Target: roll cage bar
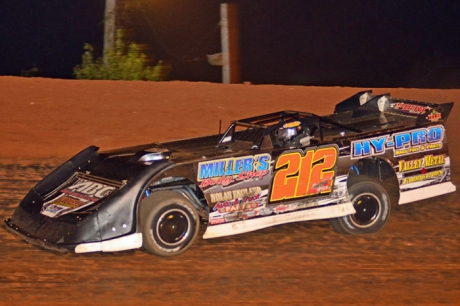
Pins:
x,y
256,129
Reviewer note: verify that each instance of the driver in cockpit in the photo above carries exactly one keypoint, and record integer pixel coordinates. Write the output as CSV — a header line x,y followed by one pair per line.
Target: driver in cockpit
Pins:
x,y
293,134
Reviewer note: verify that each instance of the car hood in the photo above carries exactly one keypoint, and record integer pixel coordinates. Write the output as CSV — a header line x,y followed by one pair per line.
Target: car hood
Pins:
x,y
126,163
179,151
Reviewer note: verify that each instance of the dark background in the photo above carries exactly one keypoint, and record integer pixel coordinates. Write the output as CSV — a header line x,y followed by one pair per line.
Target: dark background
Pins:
x,y
362,43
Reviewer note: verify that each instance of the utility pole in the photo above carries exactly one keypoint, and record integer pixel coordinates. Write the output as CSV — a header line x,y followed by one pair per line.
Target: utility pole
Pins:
x,y
230,44
109,26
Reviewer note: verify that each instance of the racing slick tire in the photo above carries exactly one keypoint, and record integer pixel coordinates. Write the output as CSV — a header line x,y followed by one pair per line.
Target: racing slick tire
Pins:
x,y
372,205
170,223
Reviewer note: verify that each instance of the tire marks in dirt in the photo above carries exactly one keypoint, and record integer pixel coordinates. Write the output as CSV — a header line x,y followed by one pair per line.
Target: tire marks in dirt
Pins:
x,y
414,260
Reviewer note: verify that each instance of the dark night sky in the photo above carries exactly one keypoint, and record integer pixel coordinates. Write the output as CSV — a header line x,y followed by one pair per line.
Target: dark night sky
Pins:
x,y
329,42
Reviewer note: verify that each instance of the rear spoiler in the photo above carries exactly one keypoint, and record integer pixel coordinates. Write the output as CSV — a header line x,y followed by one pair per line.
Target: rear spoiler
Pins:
x,y
365,103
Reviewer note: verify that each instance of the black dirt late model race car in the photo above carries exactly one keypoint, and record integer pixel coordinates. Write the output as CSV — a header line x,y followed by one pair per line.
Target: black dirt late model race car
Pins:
x,y
263,171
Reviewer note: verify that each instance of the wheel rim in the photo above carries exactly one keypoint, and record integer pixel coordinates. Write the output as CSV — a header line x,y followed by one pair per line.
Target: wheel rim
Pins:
x,y
367,208
173,227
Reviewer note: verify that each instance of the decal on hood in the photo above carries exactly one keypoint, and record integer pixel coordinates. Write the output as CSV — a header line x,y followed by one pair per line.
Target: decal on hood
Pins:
x,y
81,191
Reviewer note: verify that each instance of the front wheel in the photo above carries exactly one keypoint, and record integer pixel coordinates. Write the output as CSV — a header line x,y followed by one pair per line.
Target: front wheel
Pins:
x,y
170,223
372,205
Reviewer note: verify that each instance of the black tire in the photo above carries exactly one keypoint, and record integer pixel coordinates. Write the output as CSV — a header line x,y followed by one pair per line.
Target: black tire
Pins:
x,y
169,223
372,205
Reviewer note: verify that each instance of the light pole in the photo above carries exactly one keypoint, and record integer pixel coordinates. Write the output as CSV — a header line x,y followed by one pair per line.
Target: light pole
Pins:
x,y
109,27
229,41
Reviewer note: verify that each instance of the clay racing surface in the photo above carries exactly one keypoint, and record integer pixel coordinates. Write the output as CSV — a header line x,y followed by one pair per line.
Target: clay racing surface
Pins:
x,y
413,261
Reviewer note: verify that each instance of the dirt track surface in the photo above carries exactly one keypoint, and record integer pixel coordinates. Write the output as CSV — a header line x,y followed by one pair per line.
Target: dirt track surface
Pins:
x,y
413,261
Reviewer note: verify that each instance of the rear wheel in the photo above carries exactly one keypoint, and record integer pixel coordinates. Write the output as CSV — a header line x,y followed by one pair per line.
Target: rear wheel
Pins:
x,y
170,223
372,205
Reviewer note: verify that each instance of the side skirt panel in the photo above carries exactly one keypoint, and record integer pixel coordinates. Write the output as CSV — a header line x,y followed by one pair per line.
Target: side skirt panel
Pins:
x,y
250,225
426,192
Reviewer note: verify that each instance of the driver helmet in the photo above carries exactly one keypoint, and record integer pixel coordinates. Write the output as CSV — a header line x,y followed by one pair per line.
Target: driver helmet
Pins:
x,y
289,131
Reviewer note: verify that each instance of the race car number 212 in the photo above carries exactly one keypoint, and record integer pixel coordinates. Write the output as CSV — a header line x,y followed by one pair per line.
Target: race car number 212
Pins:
x,y
300,174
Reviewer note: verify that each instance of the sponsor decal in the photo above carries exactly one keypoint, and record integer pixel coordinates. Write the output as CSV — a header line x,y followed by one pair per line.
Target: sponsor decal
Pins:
x,y
280,208
434,116
403,143
235,216
301,174
221,196
421,163
227,207
236,200
234,194
248,214
217,221
80,194
54,209
231,217
322,186
410,108
264,211
422,177
226,171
